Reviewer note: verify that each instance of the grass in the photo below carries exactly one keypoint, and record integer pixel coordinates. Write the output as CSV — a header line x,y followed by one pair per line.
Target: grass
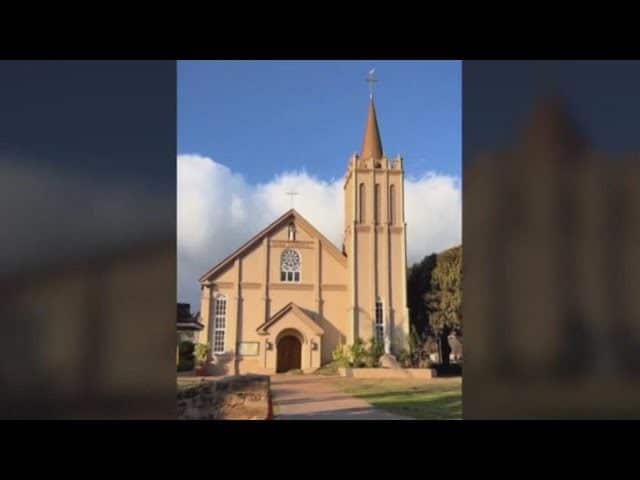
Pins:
x,y
435,399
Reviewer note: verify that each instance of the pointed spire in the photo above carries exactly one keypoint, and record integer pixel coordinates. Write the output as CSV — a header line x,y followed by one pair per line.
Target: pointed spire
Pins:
x,y
371,144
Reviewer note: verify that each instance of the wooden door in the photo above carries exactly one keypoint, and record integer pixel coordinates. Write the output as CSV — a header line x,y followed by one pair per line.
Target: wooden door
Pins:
x,y
289,354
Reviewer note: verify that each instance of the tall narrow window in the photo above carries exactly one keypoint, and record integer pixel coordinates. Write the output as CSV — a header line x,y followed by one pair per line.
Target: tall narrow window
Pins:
x,y
292,232
362,203
290,266
392,204
219,324
376,196
379,321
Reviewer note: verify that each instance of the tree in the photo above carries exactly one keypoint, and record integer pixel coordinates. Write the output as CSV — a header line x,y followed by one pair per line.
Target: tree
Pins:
x,y
418,284
444,299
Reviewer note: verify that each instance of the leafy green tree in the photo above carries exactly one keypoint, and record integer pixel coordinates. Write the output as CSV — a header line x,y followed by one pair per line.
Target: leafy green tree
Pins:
x,y
444,299
418,284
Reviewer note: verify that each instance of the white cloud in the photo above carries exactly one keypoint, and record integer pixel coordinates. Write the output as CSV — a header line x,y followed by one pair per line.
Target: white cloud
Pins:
x,y
433,211
218,210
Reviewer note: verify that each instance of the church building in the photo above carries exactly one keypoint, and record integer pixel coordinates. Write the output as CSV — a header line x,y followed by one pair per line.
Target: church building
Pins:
x,y
288,297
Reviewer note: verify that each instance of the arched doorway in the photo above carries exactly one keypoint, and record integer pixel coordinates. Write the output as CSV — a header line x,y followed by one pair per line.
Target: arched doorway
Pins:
x,y
289,354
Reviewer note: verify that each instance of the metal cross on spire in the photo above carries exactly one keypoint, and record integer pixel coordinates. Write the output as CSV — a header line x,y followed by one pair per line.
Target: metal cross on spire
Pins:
x,y
292,195
371,80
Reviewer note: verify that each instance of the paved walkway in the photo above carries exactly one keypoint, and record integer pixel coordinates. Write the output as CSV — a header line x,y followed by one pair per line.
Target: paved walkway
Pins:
x,y
309,397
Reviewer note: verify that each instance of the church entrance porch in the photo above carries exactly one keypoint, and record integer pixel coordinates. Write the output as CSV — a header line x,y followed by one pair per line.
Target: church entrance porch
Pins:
x,y
292,339
289,354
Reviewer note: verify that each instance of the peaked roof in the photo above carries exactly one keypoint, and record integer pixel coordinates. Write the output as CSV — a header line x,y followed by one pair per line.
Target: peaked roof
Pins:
x,y
371,144
278,223
301,313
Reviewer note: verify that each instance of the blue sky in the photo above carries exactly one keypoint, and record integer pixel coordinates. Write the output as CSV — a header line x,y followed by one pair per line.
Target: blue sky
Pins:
x,y
262,118
250,131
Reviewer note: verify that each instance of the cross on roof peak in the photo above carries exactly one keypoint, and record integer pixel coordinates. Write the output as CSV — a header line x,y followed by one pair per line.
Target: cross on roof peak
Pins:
x,y
371,79
292,194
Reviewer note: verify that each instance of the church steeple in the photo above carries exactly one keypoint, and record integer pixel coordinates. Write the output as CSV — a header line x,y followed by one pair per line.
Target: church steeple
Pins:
x,y
371,144
375,242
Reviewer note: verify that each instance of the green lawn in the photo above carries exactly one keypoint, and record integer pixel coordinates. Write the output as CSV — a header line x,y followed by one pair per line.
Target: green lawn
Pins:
x,y
435,399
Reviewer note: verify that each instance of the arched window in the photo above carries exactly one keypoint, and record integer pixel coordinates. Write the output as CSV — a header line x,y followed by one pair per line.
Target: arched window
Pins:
x,y
219,323
292,232
392,204
362,203
376,195
379,321
290,266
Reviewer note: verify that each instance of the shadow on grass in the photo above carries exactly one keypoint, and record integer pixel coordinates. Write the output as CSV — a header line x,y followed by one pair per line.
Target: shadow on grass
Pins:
x,y
418,393
357,413
435,404
442,407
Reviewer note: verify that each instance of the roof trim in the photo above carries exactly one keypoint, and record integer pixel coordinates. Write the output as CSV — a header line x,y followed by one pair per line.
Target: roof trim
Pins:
x,y
292,213
299,312
189,326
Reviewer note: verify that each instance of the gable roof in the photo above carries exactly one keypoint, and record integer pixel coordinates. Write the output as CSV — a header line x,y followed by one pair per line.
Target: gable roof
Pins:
x,y
301,313
278,223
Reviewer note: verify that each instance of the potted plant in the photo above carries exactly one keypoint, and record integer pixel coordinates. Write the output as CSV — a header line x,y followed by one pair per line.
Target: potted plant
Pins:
x,y
202,352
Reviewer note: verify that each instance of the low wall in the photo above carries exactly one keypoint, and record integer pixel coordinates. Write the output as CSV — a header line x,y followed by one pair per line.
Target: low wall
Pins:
x,y
241,397
418,373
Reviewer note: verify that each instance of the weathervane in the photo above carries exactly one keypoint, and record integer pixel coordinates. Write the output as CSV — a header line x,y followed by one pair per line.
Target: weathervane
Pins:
x,y
292,194
371,80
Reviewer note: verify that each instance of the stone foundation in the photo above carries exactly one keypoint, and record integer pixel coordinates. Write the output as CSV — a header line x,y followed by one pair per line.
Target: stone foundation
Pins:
x,y
397,373
241,397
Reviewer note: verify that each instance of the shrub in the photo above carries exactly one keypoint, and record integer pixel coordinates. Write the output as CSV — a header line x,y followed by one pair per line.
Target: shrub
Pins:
x,y
186,349
185,356
376,350
185,365
202,351
340,356
370,361
404,358
358,353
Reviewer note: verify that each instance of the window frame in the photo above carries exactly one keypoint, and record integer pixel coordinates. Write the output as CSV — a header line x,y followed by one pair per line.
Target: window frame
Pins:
x,y
291,276
219,327
379,320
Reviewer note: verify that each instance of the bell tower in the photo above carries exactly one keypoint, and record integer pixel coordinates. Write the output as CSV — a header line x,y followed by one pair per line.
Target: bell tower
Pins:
x,y
375,243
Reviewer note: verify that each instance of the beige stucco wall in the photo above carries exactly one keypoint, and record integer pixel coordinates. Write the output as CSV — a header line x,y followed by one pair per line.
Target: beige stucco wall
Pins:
x,y
254,296
333,284
378,252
